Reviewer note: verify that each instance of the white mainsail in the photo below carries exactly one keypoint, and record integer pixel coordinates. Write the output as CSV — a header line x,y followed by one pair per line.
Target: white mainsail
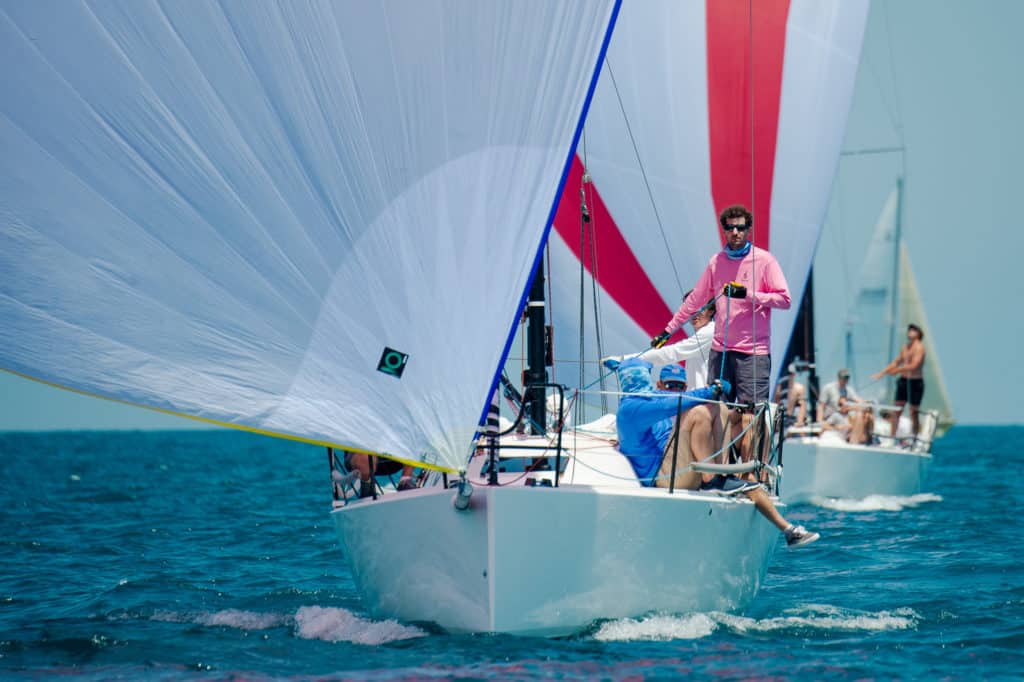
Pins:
x,y
233,210
886,301
685,121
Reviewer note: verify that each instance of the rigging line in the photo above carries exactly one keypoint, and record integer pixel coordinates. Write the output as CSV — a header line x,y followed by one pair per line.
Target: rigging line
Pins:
x,y
892,67
643,173
549,310
582,346
753,207
595,293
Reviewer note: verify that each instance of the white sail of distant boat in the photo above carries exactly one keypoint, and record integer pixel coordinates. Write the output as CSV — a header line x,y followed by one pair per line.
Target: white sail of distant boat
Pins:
x,y
318,220
887,300
936,397
820,462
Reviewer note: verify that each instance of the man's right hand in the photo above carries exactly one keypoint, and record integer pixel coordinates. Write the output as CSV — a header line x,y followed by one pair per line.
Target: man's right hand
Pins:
x,y
660,340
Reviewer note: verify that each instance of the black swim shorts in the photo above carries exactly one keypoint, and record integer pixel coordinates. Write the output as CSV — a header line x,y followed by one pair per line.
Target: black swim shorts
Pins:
x,y
909,391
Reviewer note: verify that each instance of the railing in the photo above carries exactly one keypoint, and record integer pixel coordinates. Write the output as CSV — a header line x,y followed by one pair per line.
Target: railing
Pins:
x,y
928,421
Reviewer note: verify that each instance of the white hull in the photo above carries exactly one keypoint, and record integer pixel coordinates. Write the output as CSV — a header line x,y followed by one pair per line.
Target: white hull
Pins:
x,y
550,561
817,468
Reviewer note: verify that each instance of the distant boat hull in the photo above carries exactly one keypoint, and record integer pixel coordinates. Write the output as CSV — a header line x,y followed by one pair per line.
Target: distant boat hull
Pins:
x,y
818,468
550,561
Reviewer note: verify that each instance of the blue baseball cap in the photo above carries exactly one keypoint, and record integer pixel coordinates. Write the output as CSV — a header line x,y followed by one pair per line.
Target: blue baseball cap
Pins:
x,y
635,376
673,372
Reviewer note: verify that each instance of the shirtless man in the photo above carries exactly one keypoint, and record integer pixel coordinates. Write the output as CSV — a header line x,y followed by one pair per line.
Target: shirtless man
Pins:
x,y
909,365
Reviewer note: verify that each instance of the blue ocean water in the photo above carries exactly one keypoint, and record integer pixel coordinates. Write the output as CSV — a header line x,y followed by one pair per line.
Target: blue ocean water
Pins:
x,y
210,555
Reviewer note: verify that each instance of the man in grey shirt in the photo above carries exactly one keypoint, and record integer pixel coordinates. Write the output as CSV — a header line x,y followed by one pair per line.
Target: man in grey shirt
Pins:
x,y
828,400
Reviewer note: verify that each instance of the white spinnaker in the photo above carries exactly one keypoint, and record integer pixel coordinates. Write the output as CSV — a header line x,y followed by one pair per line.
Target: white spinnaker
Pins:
x,y
229,210
659,59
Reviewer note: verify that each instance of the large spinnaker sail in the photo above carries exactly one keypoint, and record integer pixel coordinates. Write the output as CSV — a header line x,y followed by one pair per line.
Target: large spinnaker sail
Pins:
x,y
685,121
230,210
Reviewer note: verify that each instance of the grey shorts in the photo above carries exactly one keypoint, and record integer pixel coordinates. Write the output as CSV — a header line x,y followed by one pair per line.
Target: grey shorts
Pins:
x,y
749,375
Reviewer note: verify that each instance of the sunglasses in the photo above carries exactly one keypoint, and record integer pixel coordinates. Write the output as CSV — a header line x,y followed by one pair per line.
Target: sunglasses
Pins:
x,y
731,228
675,385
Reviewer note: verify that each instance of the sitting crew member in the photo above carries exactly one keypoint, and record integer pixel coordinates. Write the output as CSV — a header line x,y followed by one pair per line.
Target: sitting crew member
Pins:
x,y
828,401
645,417
854,421
792,394
380,466
646,420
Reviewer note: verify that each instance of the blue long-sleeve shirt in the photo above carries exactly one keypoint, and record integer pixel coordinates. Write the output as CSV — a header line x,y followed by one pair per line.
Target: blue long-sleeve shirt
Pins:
x,y
644,423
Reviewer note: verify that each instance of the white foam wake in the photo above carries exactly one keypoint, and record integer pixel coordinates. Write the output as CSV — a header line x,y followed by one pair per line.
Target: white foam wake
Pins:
x,y
309,622
877,502
339,625
807,617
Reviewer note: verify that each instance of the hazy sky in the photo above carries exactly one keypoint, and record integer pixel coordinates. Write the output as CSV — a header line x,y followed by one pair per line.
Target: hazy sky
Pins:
x,y
943,79
948,74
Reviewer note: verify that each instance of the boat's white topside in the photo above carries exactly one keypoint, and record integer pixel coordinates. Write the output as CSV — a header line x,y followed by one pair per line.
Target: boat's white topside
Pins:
x,y
531,558
823,467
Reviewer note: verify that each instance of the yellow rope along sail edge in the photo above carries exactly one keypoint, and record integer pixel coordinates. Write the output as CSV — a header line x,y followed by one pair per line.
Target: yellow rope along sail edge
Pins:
x,y
239,427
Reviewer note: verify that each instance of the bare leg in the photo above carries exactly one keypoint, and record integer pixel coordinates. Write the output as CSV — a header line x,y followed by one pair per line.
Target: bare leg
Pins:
x,y
764,505
702,427
894,417
361,463
858,427
914,411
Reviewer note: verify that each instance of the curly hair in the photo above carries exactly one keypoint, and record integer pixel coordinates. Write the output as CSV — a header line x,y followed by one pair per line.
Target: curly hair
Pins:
x,y
920,332
733,212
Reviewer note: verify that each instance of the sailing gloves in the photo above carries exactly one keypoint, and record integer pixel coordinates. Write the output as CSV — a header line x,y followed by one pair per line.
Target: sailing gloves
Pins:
x,y
734,290
720,387
660,340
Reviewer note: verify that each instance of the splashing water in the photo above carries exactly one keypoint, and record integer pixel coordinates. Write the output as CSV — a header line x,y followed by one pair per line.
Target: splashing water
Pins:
x,y
328,624
877,502
809,617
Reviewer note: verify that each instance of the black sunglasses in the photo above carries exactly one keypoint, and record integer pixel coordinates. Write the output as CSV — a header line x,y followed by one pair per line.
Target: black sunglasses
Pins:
x,y
675,385
730,228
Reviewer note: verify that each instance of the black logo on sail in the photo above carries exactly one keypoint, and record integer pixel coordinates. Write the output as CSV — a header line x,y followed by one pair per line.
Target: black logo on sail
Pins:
x,y
392,362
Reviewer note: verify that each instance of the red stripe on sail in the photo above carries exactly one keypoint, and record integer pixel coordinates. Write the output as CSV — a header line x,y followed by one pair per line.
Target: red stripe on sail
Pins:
x,y
731,100
618,271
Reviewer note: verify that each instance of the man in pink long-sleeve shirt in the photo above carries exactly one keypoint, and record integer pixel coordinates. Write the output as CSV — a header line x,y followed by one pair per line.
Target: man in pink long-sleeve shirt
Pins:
x,y
743,325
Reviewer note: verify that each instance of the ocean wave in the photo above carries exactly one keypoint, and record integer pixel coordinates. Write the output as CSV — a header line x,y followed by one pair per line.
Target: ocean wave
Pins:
x,y
340,625
658,628
329,624
808,617
877,502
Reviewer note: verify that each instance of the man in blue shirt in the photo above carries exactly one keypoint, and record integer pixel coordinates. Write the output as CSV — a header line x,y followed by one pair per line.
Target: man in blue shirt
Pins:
x,y
645,422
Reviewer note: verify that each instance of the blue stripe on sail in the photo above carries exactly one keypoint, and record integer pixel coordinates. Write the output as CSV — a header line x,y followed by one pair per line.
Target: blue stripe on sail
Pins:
x,y
554,208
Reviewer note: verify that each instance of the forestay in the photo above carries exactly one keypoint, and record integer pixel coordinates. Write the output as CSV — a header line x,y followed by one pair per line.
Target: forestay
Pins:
x,y
702,104
230,210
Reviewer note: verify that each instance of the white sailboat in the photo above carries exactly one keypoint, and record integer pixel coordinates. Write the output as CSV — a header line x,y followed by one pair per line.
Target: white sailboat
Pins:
x,y
825,466
318,221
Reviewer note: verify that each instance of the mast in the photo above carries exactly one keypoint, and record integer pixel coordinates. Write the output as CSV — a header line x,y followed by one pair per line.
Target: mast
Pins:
x,y
536,351
894,291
